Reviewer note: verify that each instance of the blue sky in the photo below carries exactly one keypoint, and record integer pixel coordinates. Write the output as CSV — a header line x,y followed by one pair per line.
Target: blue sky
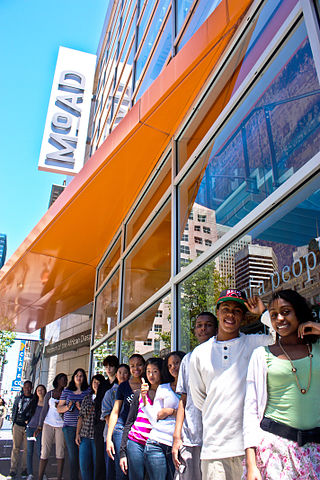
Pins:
x,y
31,32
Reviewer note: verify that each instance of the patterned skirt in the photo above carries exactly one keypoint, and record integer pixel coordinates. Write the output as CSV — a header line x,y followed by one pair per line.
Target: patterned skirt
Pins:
x,y
282,459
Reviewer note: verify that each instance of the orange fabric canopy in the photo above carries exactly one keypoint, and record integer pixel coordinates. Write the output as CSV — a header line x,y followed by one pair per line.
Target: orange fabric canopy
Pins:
x,y
52,273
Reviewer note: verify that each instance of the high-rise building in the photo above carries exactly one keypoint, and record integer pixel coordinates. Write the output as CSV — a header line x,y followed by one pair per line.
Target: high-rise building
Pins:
x,y
3,249
253,266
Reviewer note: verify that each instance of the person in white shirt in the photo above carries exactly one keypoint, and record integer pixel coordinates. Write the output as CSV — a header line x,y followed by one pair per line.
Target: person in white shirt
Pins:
x,y
162,416
218,371
187,437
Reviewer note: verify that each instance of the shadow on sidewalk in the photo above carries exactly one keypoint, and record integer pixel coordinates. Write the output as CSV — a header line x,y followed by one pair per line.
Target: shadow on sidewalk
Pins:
x,y
5,455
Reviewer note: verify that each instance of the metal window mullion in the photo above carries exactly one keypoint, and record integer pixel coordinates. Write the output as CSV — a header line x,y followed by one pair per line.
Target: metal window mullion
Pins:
x,y
174,27
174,247
313,29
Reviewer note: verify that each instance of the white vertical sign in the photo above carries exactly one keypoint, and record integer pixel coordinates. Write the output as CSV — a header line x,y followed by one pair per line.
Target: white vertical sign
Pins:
x,y
66,128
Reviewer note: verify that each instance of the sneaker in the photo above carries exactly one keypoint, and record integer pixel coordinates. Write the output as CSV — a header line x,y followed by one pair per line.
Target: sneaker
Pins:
x,y
24,474
30,477
11,475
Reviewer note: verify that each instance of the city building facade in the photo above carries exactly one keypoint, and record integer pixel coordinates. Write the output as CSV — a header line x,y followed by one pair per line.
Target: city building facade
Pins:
x,y
203,148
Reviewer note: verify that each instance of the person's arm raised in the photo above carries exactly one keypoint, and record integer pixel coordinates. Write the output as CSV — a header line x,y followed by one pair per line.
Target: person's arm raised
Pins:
x,y
308,328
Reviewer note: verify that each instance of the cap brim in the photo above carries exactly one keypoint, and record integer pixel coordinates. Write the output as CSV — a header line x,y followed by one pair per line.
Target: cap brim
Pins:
x,y
232,299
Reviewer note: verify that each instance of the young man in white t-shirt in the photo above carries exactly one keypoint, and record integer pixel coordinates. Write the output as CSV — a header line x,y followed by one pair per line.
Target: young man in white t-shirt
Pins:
x,y
187,437
218,370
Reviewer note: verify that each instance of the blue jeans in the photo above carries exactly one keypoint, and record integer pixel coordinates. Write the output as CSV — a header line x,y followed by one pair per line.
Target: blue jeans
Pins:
x,y
87,458
116,438
158,461
135,456
30,448
73,451
110,466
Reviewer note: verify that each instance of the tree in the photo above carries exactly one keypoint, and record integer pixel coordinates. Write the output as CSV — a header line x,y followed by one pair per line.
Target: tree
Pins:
x,y
6,340
199,293
100,353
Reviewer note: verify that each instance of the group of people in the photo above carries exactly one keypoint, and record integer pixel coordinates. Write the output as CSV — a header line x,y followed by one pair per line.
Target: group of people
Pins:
x,y
238,406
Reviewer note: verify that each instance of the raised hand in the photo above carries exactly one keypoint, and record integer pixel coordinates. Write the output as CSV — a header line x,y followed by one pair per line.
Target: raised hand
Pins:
x,y
255,305
144,390
308,328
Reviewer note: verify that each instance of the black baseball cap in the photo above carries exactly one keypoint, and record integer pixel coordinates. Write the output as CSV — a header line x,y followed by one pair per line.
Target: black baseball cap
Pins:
x,y
233,295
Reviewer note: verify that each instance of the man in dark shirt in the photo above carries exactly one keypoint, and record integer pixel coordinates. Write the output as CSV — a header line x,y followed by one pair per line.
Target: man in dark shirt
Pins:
x,y
110,364
20,417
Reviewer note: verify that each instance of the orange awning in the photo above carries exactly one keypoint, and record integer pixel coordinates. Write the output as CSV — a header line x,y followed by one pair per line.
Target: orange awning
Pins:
x,y
52,273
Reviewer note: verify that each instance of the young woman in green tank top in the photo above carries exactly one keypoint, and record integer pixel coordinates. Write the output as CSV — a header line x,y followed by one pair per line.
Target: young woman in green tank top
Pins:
x,y
283,390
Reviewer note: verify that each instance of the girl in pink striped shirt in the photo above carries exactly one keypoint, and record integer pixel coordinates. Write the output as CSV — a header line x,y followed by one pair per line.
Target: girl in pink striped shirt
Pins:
x,y
137,429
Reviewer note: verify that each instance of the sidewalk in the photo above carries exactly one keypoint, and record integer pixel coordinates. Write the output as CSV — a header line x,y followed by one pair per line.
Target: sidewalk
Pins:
x,y
5,454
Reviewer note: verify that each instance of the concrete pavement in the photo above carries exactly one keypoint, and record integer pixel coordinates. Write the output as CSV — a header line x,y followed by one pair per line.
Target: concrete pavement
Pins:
x,y
5,454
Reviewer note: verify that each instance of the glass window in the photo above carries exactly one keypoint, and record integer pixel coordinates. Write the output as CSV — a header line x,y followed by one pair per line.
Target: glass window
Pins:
x,y
158,187
197,228
272,133
206,230
159,313
185,249
158,59
202,11
100,353
156,347
140,336
106,310
157,328
185,238
144,17
129,39
182,9
198,240
111,259
250,47
149,41
208,243
281,252
147,266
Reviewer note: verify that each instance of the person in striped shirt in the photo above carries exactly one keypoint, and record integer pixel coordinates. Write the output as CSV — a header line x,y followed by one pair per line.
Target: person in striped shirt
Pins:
x,y
137,428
